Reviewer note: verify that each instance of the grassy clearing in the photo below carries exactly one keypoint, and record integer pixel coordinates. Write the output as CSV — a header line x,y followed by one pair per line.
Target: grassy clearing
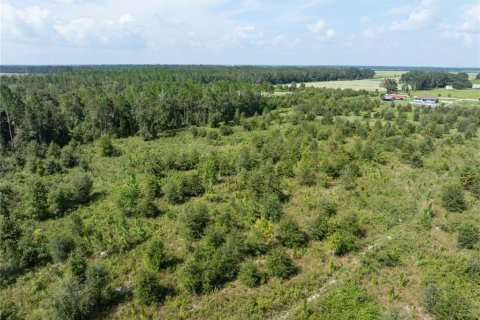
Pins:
x,y
459,94
367,84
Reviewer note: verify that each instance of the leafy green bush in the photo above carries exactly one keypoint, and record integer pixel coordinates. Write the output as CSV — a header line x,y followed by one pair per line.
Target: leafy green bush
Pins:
x,y
328,207
468,235
60,247
148,289
155,255
306,174
222,266
279,263
70,301
473,265
105,146
342,242
78,266
129,196
446,304
289,234
195,218
37,200
69,155
453,198
97,283
272,207
257,243
249,274
318,227
191,276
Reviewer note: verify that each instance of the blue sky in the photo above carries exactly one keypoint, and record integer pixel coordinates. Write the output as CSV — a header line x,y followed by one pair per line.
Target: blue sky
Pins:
x,y
314,32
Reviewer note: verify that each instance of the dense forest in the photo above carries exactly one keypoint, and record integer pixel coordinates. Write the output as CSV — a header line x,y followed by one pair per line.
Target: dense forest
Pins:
x,y
201,193
422,80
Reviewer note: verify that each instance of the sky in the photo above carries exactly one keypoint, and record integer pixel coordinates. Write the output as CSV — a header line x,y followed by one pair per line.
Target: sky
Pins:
x,y
439,33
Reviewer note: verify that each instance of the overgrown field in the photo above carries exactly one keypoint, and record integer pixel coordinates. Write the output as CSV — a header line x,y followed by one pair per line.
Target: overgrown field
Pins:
x,y
325,204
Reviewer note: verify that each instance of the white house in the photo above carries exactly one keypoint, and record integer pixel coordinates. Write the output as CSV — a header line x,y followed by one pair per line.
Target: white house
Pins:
x,y
449,87
475,86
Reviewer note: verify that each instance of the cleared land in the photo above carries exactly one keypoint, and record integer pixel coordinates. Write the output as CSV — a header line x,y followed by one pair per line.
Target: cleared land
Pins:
x,y
367,84
459,94
374,84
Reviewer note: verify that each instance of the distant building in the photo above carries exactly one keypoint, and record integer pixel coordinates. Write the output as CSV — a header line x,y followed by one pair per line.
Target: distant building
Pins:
x,y
393,96
449,87
427,98
475,86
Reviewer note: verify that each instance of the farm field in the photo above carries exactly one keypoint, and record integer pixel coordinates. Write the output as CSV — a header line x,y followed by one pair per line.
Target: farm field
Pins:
x,y
459,94
366,84
374,84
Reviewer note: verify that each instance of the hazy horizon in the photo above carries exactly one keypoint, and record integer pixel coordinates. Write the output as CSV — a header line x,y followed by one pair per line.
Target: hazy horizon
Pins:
x,y
412,33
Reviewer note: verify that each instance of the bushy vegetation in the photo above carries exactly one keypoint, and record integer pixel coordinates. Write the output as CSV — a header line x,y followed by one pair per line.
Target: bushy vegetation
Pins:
x,y
186,194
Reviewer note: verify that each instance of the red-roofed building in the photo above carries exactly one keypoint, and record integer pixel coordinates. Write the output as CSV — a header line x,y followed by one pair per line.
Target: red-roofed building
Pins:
x,y
393,96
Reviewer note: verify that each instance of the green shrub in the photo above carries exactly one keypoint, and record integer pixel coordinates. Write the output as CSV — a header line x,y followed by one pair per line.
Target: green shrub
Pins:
x,y
468,235
191,276
7,199
155,255
145,207
306,174
318,227
60,247
279,263
70,301
129,196
446,304
69,157
8,311
473,265
173,190
272,207
249,274
226,130
37,200
342,242
453,198
222,266
82,186
289,234
148,289
195,218
105,146
78,266
328,207
257,243
97,282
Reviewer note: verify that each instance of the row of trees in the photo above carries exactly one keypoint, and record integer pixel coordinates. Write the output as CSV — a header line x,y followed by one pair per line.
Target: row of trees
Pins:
x,y
176,73
422,80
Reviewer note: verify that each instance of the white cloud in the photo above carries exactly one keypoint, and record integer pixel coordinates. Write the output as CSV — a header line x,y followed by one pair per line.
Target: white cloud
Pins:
x,y
281,42
317,26
35,24
87,32
244,35
417,19
330,33
467,30
31,22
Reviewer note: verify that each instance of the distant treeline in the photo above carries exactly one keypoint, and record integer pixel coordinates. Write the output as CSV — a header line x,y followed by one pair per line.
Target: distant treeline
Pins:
x,y
422,80
274,75
82,106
